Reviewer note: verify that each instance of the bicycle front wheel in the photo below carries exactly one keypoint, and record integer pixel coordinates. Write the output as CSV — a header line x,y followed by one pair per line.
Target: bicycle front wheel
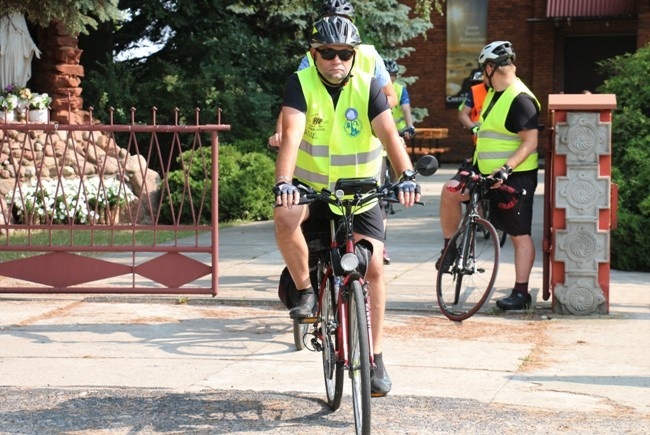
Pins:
x,y
332,368
359,358
464,287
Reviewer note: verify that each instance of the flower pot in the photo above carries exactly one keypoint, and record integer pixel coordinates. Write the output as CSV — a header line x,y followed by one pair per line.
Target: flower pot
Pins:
x,y
109,216
19,114
39,116
7,116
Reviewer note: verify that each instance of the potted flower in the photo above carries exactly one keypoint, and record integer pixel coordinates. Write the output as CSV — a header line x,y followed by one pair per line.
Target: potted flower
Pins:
x,y
8,104
24,95
38,107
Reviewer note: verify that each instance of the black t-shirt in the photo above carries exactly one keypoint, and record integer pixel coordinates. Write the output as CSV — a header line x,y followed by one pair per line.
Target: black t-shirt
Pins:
x,y
295,98
523,113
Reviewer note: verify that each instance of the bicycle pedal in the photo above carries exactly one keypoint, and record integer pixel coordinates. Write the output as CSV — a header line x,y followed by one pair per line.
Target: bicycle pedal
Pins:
x,y
308,320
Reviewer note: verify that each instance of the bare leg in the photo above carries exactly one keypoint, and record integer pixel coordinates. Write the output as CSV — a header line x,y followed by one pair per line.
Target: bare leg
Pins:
x,y
451,211
375,278
291,242
524,257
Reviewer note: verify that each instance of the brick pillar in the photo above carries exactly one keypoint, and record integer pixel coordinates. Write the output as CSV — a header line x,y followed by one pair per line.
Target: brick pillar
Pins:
x,y
59,73
581,212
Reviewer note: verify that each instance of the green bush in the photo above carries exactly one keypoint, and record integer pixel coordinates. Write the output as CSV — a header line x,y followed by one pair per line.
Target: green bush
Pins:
x,y
630,156
245,180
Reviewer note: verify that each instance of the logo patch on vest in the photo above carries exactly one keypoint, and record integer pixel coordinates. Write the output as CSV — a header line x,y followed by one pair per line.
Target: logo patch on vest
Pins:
x,y
352,125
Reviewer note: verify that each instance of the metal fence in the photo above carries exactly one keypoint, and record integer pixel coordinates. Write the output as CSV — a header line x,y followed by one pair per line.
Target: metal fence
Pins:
x,y
109,208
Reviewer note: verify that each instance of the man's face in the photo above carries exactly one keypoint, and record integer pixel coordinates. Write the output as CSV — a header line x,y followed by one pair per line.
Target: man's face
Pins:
x,y
334,61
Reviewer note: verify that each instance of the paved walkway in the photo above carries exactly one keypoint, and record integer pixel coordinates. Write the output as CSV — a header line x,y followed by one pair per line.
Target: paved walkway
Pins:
x,y
242,340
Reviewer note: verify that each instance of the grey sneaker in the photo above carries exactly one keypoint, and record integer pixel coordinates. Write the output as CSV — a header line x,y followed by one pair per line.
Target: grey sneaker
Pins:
x,y
305,306
379,386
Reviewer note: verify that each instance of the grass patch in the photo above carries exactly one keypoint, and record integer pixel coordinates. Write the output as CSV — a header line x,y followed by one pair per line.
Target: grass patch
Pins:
x,y
86,238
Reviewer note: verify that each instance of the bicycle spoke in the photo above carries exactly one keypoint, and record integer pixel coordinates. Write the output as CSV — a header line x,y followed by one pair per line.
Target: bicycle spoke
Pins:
x,y
332,368
464,289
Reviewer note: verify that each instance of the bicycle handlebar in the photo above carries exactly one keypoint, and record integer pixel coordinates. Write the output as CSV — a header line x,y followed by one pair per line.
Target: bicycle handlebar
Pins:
x,y
387,192
489,181
426,165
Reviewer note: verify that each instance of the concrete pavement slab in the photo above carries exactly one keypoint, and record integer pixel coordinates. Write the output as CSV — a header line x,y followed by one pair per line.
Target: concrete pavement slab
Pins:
x,y
241,340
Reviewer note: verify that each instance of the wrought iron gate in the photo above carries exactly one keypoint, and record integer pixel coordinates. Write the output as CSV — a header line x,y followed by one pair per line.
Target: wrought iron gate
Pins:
x,y
109,208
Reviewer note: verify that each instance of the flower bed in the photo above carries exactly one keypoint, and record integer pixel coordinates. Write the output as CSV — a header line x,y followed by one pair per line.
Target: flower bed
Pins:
x,y
70,201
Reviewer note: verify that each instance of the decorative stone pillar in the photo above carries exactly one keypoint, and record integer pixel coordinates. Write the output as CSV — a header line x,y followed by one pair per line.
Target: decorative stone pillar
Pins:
x,y
581,203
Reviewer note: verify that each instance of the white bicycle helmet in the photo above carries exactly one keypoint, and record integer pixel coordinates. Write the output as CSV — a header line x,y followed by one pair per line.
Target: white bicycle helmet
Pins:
x,y
338,7
497,52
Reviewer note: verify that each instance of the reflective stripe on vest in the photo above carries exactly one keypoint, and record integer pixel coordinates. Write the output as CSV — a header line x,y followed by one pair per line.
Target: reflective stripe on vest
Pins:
x,y
495,143
337,142
398,115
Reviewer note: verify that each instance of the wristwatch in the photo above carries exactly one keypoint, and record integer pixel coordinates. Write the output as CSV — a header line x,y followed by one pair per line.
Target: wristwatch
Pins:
x,y
508,169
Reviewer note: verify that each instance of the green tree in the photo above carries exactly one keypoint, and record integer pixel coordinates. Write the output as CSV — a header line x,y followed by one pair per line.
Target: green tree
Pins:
x,y
232,55
77,16
630,156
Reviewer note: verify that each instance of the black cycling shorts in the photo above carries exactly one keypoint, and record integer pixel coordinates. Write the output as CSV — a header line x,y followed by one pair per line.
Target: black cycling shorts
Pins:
x,y
518,220
369,223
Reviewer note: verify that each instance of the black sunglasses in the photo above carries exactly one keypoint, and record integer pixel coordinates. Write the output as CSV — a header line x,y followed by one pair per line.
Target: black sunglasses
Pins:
x,y
330,53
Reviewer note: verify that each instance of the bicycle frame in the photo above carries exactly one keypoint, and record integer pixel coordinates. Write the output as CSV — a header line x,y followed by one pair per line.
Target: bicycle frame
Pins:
x,y
340,289
466,282
471,214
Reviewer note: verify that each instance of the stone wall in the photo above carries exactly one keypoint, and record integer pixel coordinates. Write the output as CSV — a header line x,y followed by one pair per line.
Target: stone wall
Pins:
x,y
30,155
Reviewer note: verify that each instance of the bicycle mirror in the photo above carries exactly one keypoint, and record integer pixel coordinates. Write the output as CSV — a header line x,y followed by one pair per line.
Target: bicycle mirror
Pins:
x,y
426,165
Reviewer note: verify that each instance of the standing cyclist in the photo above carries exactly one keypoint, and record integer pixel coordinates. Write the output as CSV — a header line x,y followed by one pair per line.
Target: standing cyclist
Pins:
x,y
329,116
507,149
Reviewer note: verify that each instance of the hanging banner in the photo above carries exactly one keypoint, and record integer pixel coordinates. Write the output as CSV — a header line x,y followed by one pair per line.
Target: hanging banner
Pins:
x,y
466,36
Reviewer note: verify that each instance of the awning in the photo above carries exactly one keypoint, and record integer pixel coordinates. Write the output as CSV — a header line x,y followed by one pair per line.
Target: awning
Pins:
x,y
590,8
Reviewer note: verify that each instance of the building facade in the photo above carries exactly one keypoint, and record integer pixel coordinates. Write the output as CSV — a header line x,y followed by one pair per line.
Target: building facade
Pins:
x,y
557,42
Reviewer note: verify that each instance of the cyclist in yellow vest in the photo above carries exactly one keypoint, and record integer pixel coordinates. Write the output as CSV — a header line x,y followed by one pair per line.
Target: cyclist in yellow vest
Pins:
x,y
329,115
404,124
402,110
367,59
507,149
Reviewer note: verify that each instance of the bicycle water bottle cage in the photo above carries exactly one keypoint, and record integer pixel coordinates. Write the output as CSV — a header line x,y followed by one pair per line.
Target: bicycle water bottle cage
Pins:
x,y
356,186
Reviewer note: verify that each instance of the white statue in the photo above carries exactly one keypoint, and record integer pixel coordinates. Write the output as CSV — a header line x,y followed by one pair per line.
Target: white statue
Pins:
x,y
16,51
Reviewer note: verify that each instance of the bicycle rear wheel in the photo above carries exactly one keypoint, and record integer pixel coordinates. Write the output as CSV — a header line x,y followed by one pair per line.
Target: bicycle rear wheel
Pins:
x,y
332,368
359,358
464,287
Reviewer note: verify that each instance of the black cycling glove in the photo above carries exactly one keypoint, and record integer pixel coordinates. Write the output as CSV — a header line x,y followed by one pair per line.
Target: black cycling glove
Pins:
x,y
283,187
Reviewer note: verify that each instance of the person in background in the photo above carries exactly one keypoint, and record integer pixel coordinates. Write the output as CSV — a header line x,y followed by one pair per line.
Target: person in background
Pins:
x,y
349,108
506,149
367,59
404,124
402,111
469,111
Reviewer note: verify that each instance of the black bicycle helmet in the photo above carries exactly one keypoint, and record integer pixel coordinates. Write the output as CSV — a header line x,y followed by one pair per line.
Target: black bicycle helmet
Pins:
x,y
334,29
476,76
338,7
391,66
497,52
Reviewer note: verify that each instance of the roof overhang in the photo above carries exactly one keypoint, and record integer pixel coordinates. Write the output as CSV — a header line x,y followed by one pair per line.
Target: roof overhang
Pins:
x,y
590,8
